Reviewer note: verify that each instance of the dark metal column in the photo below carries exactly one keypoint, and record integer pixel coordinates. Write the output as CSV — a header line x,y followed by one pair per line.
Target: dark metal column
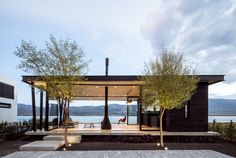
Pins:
x,y
140,114
106,122
140,109
46,113
127,112
33,107
41,111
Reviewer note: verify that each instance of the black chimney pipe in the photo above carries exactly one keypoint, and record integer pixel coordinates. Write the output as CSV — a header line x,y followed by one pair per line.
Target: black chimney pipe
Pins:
x,y
106,124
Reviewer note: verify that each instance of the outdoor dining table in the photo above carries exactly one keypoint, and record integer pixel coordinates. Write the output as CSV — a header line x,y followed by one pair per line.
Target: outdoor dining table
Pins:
x,y
90,124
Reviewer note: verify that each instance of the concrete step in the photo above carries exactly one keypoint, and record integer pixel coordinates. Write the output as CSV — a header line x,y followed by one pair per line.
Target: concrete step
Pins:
x,y
42,145
72,139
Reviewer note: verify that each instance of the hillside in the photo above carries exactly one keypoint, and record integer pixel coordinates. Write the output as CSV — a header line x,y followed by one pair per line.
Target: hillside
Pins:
x,y
222,107
114,110
216,107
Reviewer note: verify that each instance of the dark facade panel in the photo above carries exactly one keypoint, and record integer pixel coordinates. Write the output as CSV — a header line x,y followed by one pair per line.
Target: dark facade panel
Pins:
x,y
6,91
1,89
198,113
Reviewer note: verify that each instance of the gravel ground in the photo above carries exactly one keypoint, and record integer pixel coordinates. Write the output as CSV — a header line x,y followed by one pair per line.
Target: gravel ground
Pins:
x,y
120,154
225,148
11,146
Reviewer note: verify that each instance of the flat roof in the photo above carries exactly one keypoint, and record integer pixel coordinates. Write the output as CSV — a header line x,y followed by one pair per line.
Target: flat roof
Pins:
x,y
119,87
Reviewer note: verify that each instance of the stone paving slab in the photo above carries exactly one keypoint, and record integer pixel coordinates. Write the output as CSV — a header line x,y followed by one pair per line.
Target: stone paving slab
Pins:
x,y
42,145
72,139
120,154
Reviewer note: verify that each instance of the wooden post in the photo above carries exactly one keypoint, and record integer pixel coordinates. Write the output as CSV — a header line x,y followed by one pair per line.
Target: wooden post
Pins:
x,y
33,107
46,113
41,110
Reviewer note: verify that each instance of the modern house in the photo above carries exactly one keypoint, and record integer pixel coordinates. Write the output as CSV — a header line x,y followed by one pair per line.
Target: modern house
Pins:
x,y
192,117
8,101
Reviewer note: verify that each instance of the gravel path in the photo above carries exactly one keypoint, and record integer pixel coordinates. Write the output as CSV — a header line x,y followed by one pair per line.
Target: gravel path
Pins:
x,y
121,154
225,148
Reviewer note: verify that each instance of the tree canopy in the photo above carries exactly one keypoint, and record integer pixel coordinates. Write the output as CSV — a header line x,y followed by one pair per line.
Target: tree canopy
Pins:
x,y
60,61
168,83
60,64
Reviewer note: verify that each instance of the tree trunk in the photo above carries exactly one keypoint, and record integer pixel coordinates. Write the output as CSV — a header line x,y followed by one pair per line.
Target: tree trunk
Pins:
x,y
66,108
65,126
161,128
60,100
65,122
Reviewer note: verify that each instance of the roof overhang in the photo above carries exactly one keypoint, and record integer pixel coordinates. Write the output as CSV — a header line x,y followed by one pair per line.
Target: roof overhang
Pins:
x,y
119,87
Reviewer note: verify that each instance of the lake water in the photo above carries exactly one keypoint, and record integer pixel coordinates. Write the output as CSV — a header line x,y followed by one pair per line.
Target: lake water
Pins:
x,y
221,118
132,119
95,119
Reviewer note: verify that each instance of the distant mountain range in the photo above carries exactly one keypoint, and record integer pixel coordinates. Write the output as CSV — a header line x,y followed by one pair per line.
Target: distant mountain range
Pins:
x,y
216,107
222,107
114,110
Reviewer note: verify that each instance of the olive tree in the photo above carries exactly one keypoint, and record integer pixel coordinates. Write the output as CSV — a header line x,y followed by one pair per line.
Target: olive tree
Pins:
x,y
168,83
60,64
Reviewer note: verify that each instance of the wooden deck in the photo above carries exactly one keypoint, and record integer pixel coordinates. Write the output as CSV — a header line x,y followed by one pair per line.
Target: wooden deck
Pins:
x,y
121,129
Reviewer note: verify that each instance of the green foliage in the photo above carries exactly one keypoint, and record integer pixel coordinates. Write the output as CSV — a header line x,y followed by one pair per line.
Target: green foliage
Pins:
x,y
167,81
60,65
168,84
230,130
227,130
11,130
59,58
61,61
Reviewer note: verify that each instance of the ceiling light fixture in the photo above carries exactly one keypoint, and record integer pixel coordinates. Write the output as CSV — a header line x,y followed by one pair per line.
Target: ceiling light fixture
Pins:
x,y
129,100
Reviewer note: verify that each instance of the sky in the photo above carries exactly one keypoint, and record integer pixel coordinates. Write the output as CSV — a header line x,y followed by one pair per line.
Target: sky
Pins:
x,y
128,32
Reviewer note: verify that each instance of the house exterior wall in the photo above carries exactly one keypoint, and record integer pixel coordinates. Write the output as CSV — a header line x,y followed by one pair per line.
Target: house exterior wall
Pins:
x,y
8,106
197,120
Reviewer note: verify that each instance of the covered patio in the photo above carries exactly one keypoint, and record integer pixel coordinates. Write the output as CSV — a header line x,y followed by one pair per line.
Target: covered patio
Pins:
x,y
94,88
128,89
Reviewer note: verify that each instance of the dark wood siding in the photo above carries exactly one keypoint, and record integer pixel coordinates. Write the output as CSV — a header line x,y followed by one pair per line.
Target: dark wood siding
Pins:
x,y
198,113
6,91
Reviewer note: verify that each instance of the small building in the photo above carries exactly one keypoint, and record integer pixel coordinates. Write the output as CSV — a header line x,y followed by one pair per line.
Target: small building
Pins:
x,y
193,117
8,101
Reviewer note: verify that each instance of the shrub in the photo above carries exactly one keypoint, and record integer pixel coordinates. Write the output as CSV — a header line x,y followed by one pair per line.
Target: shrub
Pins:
x,y
227,130
230,131
13,129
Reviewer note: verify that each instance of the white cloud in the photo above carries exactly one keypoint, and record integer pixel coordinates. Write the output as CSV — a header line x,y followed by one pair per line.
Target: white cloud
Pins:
x,y
115,16
223,90
96,36
204,30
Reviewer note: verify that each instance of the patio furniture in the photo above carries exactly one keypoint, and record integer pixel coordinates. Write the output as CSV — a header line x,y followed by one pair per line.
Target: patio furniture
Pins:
x,y
90,125
70,123
122,120
55,123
